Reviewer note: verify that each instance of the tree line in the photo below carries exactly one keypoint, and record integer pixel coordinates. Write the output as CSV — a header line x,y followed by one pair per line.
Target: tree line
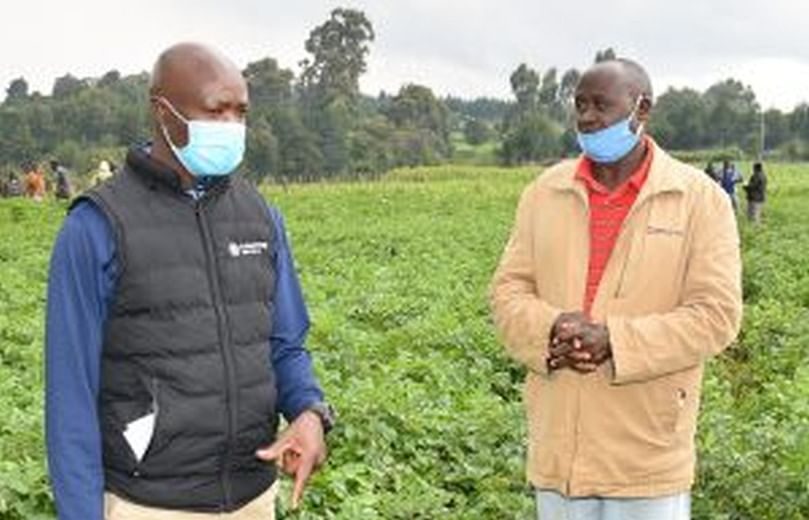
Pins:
x,y
318,124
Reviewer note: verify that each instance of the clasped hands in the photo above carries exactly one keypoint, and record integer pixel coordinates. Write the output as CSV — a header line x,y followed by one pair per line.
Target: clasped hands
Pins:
x,y
577,343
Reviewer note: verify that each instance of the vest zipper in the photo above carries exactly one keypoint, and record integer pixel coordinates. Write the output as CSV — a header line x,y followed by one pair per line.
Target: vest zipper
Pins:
x,y
224,347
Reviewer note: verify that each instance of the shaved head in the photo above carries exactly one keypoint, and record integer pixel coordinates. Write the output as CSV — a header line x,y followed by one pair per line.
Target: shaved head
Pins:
x,y
629,74
190,66
636,77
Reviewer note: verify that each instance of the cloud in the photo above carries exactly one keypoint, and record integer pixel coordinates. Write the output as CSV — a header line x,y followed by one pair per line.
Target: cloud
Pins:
x,y
468,48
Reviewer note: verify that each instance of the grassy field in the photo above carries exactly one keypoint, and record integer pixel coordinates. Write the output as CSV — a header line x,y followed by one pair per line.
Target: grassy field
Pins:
x,y
431,426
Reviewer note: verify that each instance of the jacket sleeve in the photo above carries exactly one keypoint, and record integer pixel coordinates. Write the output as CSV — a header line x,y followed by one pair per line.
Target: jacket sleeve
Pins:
x,y
708,317
523,320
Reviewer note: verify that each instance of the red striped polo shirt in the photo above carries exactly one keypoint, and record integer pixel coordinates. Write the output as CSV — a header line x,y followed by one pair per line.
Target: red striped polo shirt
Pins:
x,y
608,209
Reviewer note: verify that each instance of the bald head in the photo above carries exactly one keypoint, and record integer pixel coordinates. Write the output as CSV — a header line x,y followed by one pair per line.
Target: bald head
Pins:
x,y
189,67
625,73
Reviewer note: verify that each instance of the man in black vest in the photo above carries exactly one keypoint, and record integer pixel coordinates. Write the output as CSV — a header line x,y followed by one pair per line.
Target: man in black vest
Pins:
x,y
175,324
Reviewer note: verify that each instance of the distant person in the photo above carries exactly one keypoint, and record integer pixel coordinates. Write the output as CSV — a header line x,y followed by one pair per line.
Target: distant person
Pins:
x,y
13,186
63,188
730,178
35,184
712,172
621,277
756,189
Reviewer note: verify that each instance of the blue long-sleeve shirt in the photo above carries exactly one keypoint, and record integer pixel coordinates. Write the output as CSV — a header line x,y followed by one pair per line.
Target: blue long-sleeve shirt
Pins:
x,y
82,280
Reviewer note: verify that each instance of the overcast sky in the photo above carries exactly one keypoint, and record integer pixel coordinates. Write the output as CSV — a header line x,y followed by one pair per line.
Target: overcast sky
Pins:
x,y
463,47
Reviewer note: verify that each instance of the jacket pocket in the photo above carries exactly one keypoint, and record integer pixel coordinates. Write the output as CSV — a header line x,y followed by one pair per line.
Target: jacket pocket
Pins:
x,y
673,400
643,415
666,409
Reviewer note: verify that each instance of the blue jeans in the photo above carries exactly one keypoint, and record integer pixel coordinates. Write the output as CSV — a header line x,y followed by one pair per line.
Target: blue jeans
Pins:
x,y
553,506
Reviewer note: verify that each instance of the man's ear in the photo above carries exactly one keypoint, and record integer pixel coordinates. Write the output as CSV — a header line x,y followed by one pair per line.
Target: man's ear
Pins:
x,y
644,108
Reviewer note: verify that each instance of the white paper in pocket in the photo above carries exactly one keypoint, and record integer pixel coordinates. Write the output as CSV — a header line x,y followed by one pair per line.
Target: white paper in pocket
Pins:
x,y
139,433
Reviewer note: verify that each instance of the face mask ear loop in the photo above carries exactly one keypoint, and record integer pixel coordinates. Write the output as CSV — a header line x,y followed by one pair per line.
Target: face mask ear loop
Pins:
x,y
176,113
634,113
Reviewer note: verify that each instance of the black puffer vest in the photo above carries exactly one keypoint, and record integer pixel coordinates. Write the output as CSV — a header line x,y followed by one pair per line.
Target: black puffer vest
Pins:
x,y
187,338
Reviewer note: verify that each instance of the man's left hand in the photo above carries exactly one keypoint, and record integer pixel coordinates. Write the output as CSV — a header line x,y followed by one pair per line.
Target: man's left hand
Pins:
x,y
580,344
595,339
298,451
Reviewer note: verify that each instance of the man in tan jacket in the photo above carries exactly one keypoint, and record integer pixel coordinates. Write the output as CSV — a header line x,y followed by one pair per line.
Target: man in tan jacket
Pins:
x,y
621,277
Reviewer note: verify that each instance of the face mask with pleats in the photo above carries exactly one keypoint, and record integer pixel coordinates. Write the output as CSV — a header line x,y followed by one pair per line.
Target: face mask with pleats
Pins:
x,y
613,143
214,148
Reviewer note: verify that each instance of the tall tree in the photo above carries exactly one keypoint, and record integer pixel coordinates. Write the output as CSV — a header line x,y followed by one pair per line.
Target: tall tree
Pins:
x,y
776,129
269,85
476,131
330,82
109,79
417,106
605,55
529,134
17,89
416,109
535,137
549,89
567,89
67,85
300,157
525,86
679,120
732,113
339,48
262,157
799,121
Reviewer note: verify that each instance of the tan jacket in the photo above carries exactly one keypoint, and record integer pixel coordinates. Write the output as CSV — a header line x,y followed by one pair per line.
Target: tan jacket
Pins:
x,y
671,298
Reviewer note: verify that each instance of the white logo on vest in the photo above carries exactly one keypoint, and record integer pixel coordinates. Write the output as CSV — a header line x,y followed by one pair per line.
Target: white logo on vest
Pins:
x,y
246,248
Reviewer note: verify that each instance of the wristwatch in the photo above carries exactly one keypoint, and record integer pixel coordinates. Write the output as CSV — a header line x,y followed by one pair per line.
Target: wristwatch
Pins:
x,y
325,412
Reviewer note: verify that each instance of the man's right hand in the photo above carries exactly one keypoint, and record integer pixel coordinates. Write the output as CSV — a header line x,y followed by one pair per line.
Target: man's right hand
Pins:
x,y
578,343
298,451
565,348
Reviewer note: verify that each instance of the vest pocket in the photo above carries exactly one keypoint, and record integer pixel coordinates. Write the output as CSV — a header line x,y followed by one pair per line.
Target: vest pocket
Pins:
x,y
119,454
131,430
157,420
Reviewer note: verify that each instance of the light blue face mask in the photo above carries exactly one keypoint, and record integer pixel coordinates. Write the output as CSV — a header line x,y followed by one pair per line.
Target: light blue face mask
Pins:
x,y
214,148
613,143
